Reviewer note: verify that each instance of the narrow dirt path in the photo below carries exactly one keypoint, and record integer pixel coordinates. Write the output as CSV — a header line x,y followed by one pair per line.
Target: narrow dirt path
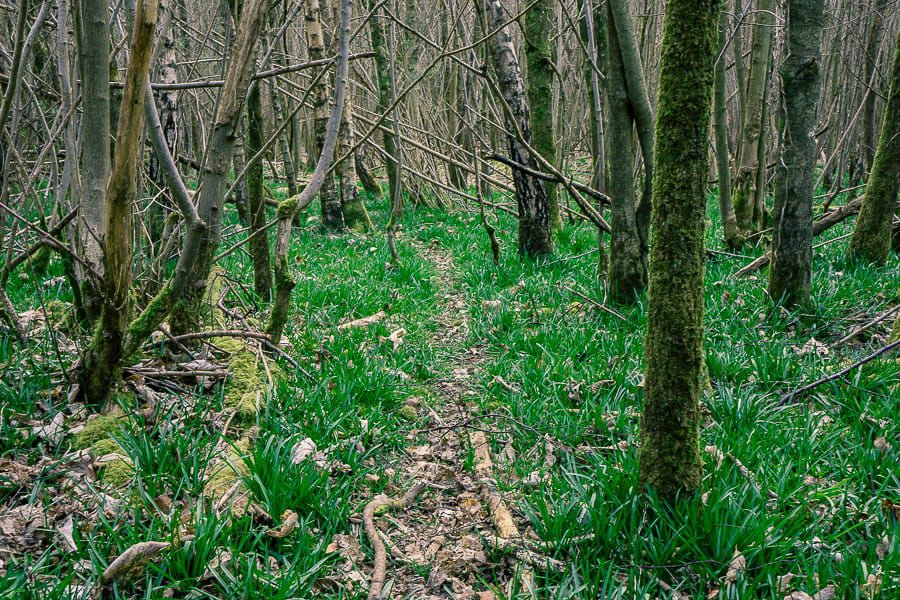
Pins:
x,y
447,543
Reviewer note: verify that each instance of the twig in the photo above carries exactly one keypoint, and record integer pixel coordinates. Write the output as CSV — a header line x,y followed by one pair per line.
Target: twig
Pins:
x,y
594,302
798,392
384,503
872,323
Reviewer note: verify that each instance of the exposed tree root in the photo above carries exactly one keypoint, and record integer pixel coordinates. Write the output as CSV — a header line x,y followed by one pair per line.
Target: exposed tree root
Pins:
x,y
383,504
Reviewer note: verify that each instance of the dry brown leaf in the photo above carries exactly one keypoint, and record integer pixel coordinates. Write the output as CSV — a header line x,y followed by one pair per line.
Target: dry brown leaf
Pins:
x,y
872,586
131,562
396,337
882,445
303,450
737,566
289,522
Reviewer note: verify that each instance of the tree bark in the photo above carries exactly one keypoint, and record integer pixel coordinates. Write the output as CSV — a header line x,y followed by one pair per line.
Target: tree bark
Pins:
x,y
535,227
330,203
753,130
95,143
868,117
256,202
669,457
288,209
219,153
723,163
789,277
871,239
540,22
385,85
627,270
102,361
639,106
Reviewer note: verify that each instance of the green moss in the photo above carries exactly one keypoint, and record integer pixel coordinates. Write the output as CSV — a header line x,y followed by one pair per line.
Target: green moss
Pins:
x,y
99,429
245,380
117,473
287,207
356,217
407,413
895,332
105,446
149,319
228,471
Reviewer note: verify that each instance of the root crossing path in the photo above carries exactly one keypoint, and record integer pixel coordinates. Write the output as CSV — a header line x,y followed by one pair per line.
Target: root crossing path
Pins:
x,y
458,538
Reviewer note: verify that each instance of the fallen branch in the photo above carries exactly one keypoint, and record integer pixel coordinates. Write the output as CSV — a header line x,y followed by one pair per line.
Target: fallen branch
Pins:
x,y
384,503
800,391
871,323
596,195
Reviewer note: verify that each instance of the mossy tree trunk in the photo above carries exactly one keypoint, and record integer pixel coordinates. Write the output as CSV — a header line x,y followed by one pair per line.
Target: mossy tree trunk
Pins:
x,y
868,118
540,23
871,239
102,361
288,209
256,201
535,228
746,180
670,423
791,271
627,273
639,104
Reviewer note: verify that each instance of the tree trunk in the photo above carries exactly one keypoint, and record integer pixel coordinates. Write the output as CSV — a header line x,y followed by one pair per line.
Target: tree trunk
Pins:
x,y
385,83
256,201
95,143
871,239
670,423
868,117
627,273
103,358
219,154
288,209
535,228
789,276
594,42
639,105
747,177
540,22
723,164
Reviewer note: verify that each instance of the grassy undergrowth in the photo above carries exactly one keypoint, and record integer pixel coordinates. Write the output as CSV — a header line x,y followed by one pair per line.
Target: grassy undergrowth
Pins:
x,y
820,468
557,369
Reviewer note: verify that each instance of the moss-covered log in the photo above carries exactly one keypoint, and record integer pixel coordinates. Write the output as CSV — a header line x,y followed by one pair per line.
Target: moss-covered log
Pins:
x,y
670,423
871,239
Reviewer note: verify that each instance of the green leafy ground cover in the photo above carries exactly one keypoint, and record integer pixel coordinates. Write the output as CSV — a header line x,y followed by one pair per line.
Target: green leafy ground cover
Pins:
x,y
560,378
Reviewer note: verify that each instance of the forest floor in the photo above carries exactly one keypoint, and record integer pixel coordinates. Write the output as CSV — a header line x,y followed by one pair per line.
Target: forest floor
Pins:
x,y
501,395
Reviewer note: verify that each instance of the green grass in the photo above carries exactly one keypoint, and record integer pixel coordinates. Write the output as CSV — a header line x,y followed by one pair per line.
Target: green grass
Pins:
x,y
813,507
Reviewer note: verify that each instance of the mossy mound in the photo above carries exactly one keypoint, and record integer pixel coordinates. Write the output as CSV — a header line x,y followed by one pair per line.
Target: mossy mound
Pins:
x,y
117,473
98,430
228,471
